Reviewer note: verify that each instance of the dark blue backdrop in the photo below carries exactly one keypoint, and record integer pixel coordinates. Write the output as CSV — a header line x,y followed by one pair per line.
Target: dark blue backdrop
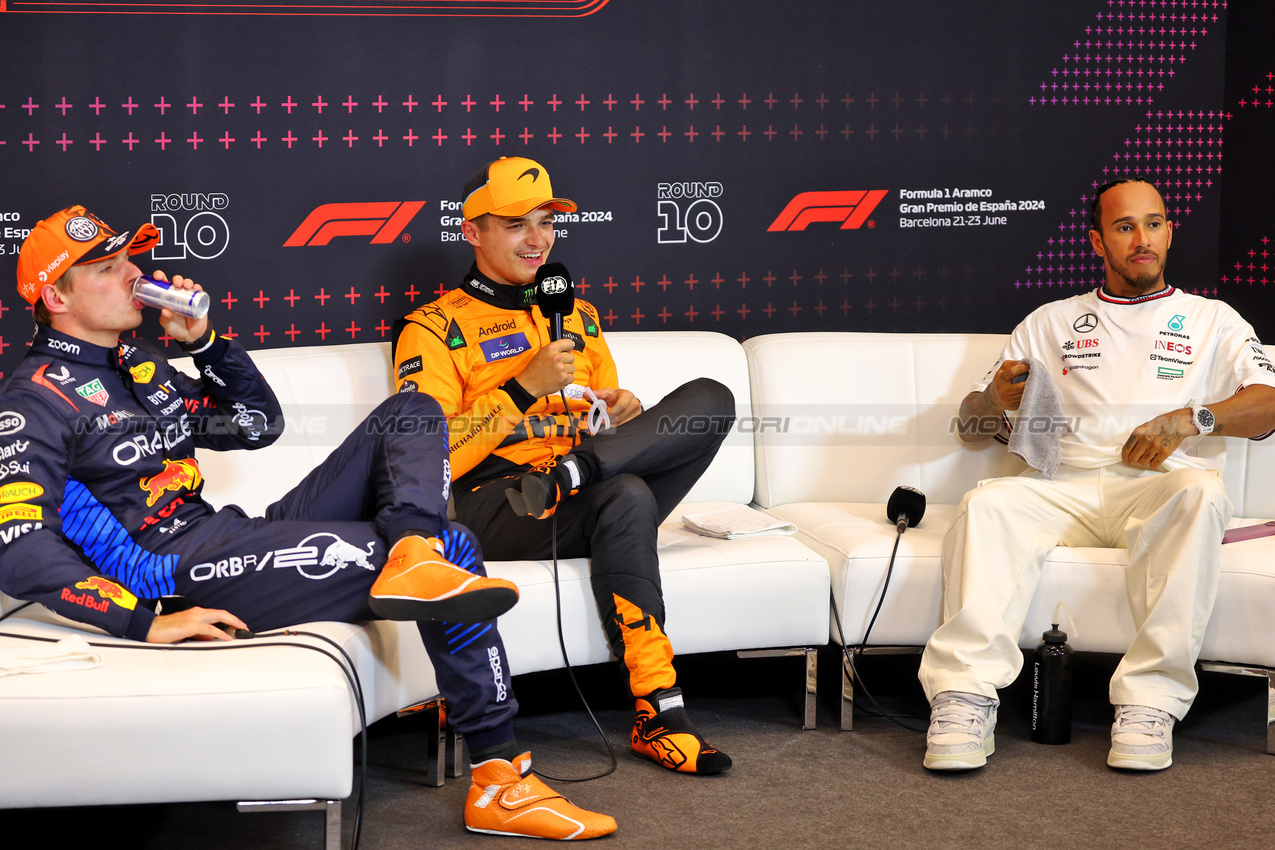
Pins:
x,y
688,133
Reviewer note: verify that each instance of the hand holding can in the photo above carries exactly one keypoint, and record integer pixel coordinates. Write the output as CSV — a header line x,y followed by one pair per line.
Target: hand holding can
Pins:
x,y
161,294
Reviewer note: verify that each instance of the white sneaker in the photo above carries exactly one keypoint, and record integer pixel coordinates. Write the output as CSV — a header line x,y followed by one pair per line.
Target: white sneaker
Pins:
x,y
1141,738
960,735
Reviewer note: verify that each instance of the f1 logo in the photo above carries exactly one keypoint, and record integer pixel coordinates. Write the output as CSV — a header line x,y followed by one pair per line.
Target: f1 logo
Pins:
x,y
382,221
850,208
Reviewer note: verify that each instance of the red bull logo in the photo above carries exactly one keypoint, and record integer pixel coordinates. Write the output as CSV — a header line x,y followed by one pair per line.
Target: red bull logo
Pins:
x,y
106,590
176,475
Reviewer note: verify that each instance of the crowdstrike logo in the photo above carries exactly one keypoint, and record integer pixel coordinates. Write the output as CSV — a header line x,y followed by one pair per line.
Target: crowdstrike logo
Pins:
x,y
383,221
851,208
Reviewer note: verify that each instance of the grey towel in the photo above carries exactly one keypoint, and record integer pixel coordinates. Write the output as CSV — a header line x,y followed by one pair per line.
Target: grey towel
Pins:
x,y
1040,424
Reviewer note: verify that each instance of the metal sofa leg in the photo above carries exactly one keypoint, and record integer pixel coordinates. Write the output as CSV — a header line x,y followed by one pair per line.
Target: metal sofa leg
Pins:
x,y
440,736
847,678
331,815
847,697
1263,672
457,764
811,655
443,740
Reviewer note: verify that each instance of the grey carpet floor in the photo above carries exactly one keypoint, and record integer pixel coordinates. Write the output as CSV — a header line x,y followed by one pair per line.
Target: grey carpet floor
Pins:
x,y
789,787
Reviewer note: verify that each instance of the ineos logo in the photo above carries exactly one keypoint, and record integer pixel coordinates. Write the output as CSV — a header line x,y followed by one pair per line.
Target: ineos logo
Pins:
x,y
1085,324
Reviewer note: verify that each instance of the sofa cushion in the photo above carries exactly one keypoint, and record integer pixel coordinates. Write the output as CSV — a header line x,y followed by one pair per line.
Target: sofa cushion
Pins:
x,y
326,391
831,450
845,417
719,594
856,539
103,736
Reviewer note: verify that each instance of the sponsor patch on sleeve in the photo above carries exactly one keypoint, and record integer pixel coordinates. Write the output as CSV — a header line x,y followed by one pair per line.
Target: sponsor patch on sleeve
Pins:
x,y
410,367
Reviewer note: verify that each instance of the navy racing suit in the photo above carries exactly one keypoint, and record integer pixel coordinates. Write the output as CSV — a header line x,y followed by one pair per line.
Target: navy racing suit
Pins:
x,y
98,464
101,509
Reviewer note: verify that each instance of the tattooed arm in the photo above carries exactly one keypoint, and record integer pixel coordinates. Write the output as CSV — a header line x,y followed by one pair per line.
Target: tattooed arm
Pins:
x,y
1248,413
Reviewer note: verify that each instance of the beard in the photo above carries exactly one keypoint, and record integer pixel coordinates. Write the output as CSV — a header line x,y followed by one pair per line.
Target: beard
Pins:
x,y
1142,279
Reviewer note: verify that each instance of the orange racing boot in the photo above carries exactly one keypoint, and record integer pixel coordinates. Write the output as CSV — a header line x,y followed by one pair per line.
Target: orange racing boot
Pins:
x,y
663,733
506,798
419,583
542,488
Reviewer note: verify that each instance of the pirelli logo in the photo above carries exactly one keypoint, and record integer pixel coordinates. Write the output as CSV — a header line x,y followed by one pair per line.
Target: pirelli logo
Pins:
x,y
383,221
851,208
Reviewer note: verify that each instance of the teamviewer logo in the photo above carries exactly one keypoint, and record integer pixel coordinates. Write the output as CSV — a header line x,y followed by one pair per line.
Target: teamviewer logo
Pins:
x,y
384,222
850,208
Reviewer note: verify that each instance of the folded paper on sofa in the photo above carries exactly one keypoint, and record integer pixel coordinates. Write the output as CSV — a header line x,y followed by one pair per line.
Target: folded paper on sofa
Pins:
x,y
736,521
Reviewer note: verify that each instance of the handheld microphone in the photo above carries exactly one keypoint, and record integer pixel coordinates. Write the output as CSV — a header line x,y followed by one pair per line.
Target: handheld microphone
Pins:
x,y
556,296
906,507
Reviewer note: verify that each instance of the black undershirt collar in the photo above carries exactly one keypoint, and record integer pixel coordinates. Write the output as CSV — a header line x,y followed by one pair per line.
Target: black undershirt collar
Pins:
x,y
503,295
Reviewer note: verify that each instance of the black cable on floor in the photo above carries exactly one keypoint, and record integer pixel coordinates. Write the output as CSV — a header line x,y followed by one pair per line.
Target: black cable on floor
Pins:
x,y
562,645
849,657
562,642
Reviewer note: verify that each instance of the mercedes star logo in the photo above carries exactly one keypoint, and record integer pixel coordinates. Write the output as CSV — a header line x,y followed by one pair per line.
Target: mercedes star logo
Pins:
x,y
1085,323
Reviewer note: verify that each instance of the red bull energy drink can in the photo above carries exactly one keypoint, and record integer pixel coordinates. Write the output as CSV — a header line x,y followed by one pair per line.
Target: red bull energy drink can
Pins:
x,y
160,294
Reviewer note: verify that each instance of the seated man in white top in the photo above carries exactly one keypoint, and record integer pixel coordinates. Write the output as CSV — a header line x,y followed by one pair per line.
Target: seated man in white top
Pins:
x,y
1151,377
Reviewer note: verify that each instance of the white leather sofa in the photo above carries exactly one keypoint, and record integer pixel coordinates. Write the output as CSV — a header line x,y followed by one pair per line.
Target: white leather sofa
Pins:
x,y
852,416
828,425
279,721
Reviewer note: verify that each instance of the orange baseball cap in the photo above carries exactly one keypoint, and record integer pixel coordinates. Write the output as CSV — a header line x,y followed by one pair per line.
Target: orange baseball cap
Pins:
x,y
510,186
72,237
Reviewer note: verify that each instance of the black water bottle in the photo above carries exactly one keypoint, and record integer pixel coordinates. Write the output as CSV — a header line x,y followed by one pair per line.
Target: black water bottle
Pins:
x,y
1051,689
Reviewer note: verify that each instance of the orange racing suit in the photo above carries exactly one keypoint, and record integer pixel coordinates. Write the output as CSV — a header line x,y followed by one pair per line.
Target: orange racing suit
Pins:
x,y
465,349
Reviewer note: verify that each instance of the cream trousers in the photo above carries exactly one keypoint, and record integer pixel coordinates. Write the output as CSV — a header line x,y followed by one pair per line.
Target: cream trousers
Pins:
x,y
1171,523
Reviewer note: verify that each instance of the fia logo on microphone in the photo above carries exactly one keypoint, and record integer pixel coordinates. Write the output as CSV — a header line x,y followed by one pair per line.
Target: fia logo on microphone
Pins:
x,y
553,285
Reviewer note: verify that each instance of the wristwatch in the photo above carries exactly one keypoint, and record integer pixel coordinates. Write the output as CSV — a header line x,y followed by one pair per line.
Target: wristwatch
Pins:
x,y
1203,418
